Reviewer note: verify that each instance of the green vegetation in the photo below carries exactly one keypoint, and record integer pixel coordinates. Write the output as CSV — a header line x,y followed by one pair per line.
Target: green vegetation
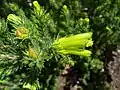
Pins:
x,y
38,39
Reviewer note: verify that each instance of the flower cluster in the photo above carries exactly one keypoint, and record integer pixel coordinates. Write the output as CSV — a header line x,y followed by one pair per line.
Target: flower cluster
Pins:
x,y
74,44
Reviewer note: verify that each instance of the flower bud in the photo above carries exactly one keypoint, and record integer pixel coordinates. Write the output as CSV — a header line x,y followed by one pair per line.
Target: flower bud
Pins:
x,y
87,20
108,28
21,33
65,9
36,5
32,53
38,8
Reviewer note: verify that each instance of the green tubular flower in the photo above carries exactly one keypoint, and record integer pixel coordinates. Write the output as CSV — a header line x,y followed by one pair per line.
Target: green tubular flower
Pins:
x,y
85,53
79,40
78,44
13,18
77,37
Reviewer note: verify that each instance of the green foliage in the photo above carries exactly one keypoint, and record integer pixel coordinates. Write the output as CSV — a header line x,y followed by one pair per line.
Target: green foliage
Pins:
x,y
31,50
29,57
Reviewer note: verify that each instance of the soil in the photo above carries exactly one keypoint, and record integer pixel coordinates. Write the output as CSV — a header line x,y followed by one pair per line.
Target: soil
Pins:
x,y
112,70
66,80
